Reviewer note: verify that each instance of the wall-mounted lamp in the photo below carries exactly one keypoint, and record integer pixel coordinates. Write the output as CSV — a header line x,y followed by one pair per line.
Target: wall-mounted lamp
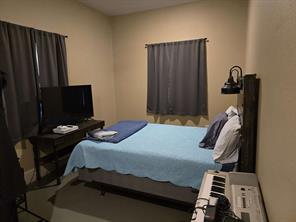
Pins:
x,y
231,86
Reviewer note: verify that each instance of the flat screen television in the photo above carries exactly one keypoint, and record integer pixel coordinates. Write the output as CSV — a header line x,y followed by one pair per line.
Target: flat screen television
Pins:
x,y
66,105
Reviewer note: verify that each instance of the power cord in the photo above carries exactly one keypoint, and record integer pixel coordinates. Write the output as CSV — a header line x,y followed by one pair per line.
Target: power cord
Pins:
x,y
223,212
203,208
230,216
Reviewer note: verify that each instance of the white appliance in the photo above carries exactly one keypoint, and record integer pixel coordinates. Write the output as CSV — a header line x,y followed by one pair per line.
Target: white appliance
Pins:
x,y
65,129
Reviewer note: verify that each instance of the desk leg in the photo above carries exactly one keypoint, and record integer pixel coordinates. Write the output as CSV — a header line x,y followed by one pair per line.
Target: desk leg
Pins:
x,y
56,159
37,161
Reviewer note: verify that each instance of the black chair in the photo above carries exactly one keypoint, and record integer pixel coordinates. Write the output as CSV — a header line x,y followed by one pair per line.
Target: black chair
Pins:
x,y
12,182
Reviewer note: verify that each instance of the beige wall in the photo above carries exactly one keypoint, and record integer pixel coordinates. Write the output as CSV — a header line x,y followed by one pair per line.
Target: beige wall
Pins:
x,y
89,47
271,53
224,23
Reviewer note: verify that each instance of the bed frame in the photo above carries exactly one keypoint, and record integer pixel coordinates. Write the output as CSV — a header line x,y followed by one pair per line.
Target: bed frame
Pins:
x,y
167,194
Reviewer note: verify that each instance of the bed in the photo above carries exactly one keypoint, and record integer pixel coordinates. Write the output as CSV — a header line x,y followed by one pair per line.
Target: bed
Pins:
x,y
173,149
159,163
158,152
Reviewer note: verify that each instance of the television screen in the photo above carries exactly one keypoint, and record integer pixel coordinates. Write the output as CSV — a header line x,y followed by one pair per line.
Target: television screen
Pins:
x,y
66,105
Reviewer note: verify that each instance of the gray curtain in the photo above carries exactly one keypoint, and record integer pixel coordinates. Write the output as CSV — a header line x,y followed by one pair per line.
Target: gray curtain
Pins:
x,y
177,78
52,58
18,62
25,74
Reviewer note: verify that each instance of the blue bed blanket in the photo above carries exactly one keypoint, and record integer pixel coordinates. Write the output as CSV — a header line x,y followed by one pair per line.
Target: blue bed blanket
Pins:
x,y
160,152
124,129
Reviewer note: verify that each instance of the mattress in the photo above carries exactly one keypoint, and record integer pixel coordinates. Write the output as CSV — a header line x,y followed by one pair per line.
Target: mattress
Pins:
x,y
165,153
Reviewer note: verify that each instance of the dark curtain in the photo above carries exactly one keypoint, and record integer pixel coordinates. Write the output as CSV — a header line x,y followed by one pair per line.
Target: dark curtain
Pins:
x,y
52,58
12,183
26,72
18,61
177,78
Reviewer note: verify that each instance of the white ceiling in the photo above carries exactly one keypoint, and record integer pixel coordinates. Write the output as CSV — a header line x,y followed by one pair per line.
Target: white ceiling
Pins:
x,y
122,7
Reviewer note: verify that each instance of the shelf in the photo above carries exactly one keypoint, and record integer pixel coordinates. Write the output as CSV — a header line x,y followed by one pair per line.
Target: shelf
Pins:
x,y
60,153
47,179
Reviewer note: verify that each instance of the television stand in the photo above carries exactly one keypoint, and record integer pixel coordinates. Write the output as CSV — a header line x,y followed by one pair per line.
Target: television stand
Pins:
x,y
56,148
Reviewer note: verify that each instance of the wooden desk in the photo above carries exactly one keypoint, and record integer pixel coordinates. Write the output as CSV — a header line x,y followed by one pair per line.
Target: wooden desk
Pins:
x,y
58,147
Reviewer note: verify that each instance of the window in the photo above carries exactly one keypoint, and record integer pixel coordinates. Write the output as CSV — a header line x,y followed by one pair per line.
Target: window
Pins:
x,y
177,78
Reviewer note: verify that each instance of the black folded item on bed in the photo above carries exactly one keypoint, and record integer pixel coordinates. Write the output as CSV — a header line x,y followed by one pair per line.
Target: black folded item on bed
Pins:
x,y
124,129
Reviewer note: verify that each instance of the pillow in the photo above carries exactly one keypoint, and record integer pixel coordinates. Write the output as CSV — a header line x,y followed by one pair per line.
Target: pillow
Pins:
x,y
226,148
232,158
231,111
213,132
102,134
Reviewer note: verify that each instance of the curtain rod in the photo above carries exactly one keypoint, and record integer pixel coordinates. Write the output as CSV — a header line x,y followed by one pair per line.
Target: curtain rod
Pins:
x,y
146,45
33,28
